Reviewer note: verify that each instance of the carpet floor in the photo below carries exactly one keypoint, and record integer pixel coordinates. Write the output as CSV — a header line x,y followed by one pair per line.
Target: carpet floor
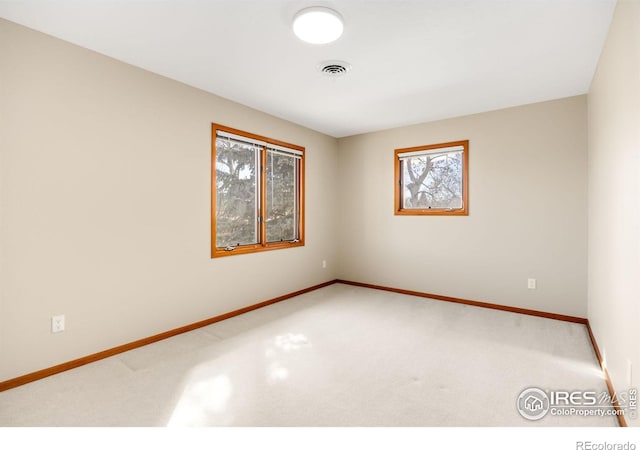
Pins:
x,y
337,356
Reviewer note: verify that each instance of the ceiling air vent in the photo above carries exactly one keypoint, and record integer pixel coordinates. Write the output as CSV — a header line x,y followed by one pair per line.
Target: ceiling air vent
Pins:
x,y
334,68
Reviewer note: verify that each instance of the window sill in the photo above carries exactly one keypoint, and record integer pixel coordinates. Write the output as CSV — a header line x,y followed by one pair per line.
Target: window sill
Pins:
x,y
219,252
432,212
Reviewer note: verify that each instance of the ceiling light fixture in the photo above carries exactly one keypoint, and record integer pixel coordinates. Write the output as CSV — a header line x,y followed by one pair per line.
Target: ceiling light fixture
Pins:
x,y
318,25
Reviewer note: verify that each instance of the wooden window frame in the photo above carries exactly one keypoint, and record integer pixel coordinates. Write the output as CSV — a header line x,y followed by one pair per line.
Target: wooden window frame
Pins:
x,y
400,211
262,245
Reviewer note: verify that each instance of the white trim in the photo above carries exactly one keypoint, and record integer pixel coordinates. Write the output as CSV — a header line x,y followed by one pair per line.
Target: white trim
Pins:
x,y
285,151
434,152
236,137
268,145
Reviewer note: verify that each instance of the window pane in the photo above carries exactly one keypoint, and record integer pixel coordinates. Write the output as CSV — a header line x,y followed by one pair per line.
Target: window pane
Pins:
x,y
432,181
282,203
236,197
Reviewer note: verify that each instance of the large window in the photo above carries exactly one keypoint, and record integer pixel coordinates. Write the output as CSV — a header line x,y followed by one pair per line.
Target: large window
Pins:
x,y
257,193
432,180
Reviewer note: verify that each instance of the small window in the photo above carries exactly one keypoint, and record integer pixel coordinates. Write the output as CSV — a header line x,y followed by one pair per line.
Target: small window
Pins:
x,y
432,180
257,193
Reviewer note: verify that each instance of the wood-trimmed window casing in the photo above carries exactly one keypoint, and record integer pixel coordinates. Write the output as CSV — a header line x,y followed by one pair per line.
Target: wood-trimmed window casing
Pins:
x,y
262,244
400,209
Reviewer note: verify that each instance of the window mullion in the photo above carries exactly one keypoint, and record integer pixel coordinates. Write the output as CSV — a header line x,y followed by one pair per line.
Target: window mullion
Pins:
x,y
263,197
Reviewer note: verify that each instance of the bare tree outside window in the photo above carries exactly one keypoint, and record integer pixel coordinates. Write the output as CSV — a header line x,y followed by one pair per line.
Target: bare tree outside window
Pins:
x,y
433,181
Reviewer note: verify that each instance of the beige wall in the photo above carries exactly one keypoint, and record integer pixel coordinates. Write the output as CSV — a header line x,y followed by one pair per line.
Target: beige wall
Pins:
x,y
105,204
614,198
527,211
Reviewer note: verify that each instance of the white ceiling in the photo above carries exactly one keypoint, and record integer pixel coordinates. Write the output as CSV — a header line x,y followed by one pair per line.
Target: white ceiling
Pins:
x,y
413,61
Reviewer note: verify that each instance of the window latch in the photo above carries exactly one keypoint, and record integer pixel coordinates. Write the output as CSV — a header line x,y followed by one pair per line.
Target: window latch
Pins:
x,y
294,241
229,248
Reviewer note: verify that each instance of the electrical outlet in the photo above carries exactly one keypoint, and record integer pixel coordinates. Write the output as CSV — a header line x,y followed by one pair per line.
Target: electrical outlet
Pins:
x,y
324,263
57,323
531,283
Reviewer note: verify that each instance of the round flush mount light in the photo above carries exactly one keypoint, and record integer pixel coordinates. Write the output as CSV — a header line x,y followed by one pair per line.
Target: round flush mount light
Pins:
x,y
318,25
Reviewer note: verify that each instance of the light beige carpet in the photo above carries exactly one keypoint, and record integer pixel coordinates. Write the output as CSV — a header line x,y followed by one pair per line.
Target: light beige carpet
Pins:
x,y
338,356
